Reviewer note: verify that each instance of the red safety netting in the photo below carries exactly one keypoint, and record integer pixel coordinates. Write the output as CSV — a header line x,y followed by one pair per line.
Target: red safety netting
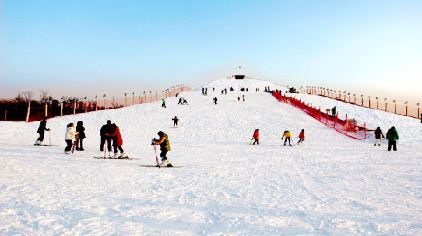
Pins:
x,y
348,127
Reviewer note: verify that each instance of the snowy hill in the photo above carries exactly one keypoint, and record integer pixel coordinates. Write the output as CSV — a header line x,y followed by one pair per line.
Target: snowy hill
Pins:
x,y
329,185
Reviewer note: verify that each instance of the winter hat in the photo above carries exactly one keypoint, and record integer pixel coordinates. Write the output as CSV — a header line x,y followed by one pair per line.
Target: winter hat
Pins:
x,y
109,122
160,133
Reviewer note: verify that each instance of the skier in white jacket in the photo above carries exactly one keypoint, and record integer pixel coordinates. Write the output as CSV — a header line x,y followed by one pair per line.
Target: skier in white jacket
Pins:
x,y
70,137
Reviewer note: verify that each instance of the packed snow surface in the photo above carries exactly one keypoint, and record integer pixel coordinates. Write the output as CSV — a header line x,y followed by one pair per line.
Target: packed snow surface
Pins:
x,y
330,184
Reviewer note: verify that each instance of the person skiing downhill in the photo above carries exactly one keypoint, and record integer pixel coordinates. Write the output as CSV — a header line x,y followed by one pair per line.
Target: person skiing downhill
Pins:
x,y
41,129
287,136
117,142
81,136
392,137
378,135
175,121
70,137
255,137
301,136
164,143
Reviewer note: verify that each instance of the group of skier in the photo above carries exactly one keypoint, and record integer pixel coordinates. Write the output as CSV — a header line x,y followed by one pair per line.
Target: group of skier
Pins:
x,y
287,135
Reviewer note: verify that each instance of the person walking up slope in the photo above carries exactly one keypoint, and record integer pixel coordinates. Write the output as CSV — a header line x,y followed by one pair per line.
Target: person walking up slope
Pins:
x,y
392,137
41,129
70,137
287,137
163,103
301,136
164,143
378,135
255,137
175,121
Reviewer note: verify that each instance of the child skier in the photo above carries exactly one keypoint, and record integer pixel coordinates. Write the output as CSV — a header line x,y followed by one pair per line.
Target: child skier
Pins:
x,y
70,137
301,136
164,146
392,137
256,137
41,129
117,142
81,135
378,135
175,121
287,136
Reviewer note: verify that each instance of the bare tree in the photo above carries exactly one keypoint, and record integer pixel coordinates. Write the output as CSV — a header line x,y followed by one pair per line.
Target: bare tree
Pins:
x,y
25,96
44,97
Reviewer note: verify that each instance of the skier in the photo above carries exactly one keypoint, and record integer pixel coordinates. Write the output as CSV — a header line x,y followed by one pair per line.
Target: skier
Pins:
x,y
103,131
164,147
301,136
215,100
81,135
255,137
163,103
287,136
238,98
180,101
392,137
175,121
243,97
41,129
378,135
117,142
70,137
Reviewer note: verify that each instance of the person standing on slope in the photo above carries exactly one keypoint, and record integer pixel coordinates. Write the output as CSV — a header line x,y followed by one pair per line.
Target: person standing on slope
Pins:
x,y
175,121
301,136
41,129
81,136
256,137
287,136
164,143
103,131
392,137
163,103
378,135
117,142
70,137
215,100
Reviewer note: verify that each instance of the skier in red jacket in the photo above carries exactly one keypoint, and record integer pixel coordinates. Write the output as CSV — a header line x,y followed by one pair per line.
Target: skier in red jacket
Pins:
x,y
256,137
117,142
301,136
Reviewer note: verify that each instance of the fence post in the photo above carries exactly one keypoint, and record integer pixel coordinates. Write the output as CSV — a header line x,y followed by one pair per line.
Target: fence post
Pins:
x,y
364,125
417,104
369,101
28,111
395,106
405,103
61,108
5,115
385,100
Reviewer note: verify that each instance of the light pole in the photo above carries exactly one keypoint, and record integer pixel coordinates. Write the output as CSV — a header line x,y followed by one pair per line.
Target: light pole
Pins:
x,y
369,101
105,107
385,100
125,99
377,102
354,97
405,103
361,97
133,98
395,107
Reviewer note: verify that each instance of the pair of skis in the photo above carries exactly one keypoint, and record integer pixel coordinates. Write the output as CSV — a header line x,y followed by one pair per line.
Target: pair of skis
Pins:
x,y
158,164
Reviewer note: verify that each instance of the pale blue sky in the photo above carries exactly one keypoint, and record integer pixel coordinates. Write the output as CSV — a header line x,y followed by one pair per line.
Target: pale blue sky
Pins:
x,y
84,47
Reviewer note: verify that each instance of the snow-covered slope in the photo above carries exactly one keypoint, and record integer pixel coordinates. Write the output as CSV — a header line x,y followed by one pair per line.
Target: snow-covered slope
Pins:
x,y
410,129
329,185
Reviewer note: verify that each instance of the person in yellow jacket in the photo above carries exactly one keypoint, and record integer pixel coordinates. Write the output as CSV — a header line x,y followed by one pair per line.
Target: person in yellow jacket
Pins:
x,y
287,136
164,143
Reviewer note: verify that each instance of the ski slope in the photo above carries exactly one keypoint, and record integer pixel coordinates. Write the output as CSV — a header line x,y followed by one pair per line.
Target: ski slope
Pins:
x,y
329,185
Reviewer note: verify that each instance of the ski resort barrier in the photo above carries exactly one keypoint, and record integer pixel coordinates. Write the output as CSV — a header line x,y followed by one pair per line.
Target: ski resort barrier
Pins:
x,y
26,109
347,127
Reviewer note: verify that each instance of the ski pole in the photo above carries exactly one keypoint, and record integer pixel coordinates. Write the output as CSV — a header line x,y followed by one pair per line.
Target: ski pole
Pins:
x,y
250,142
49,138
156,157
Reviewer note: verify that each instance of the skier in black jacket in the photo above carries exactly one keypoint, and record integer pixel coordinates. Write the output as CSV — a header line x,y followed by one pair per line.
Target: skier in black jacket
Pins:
x,y
106,129
378,135
81,131
41,129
